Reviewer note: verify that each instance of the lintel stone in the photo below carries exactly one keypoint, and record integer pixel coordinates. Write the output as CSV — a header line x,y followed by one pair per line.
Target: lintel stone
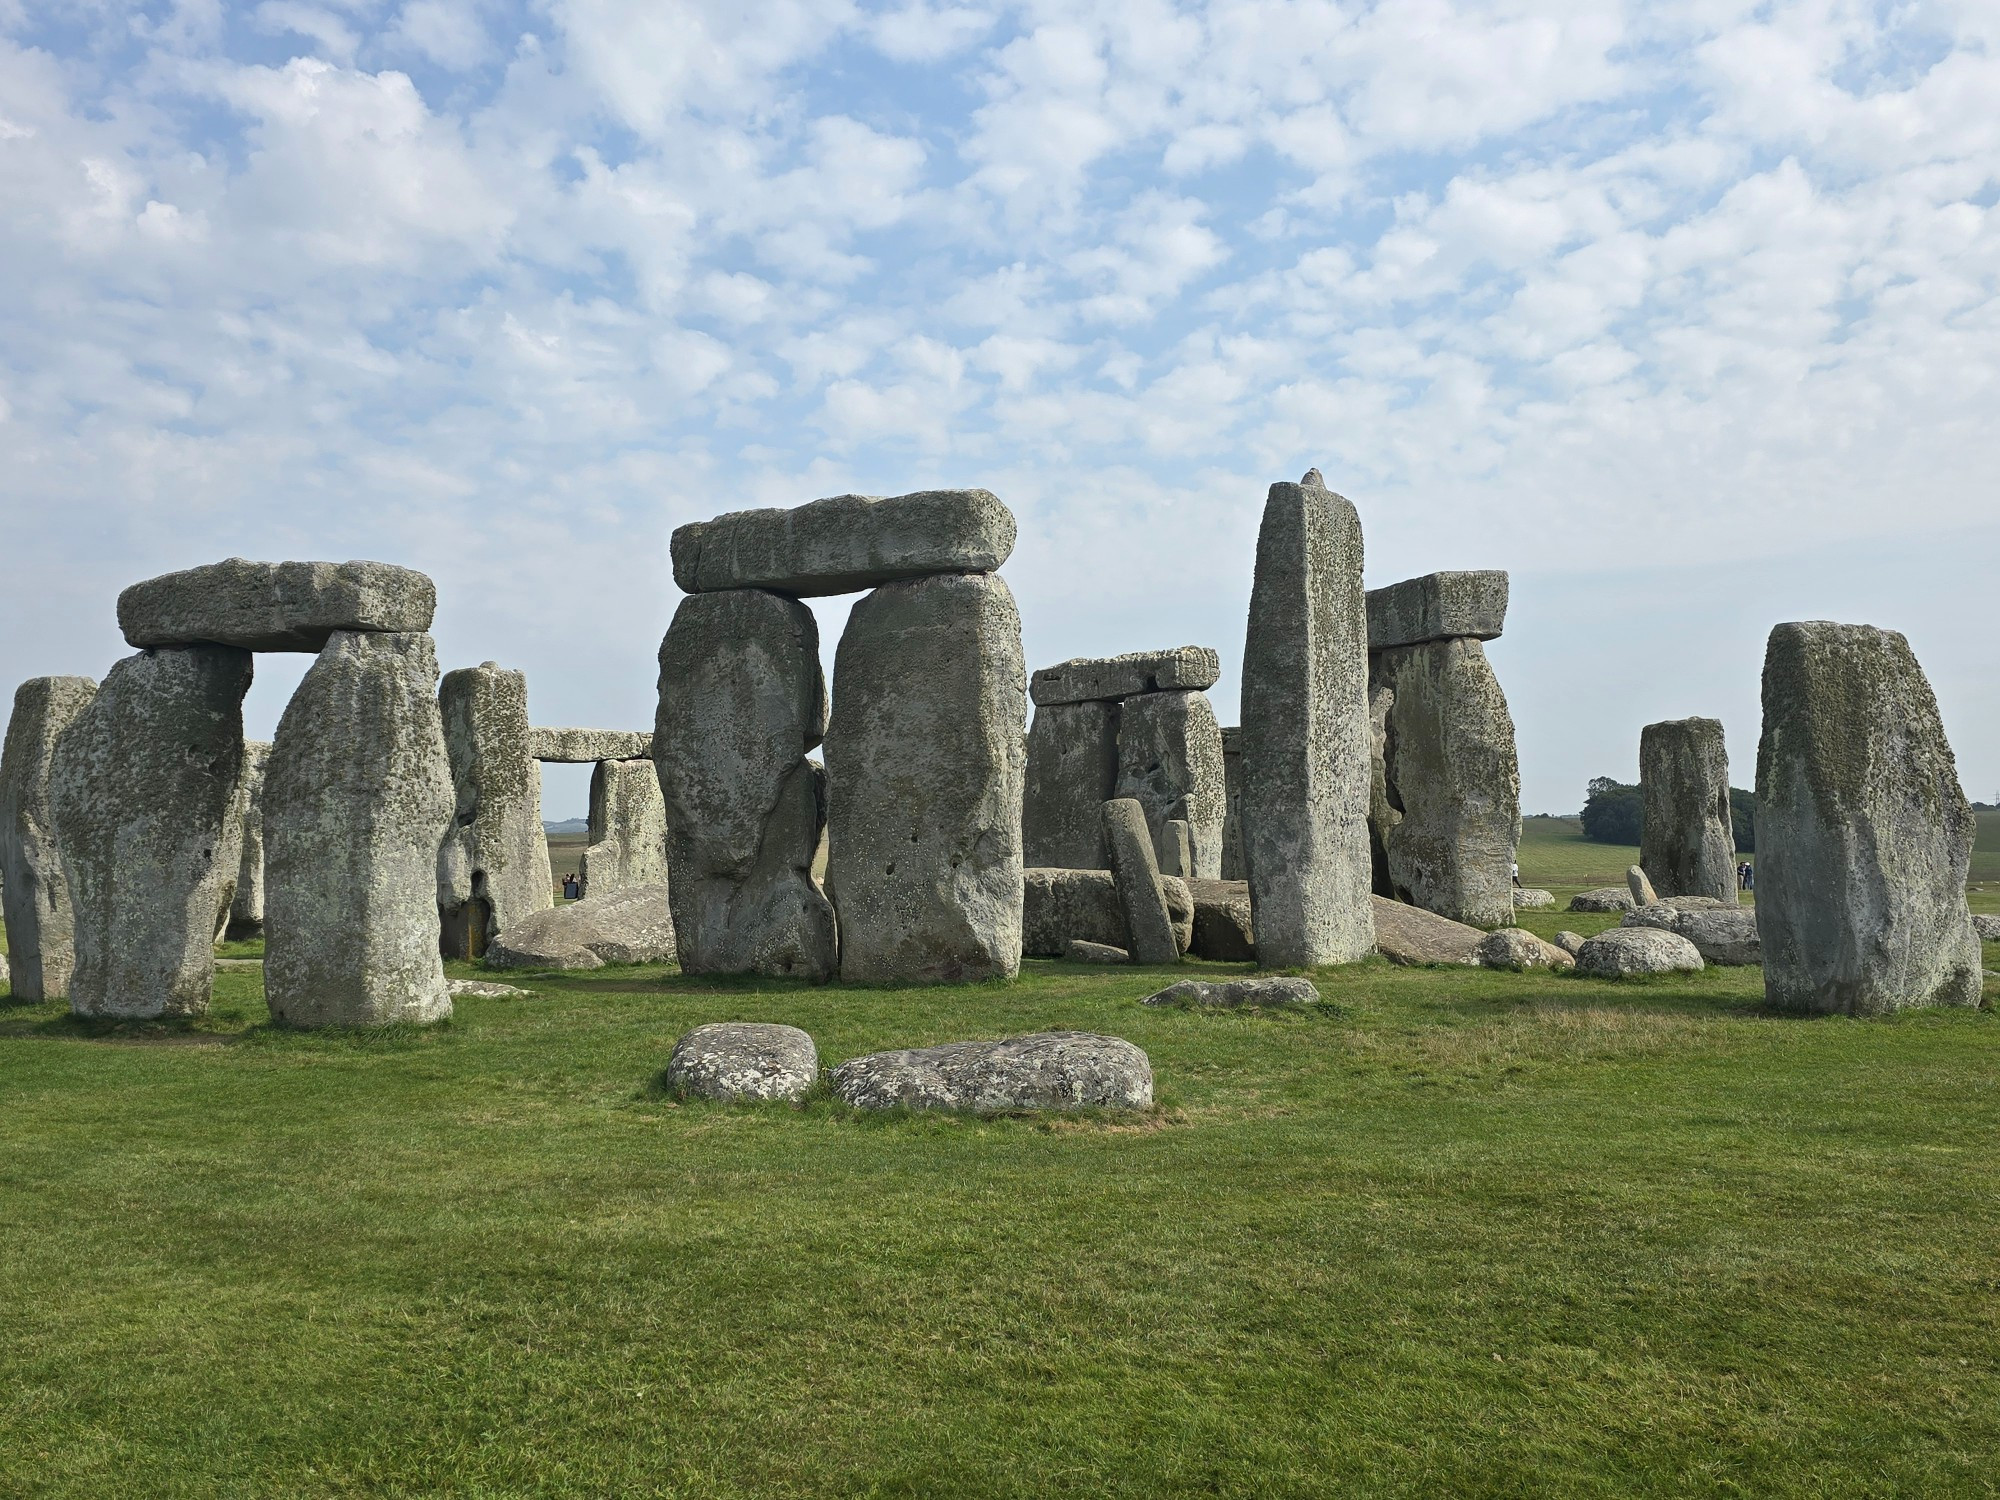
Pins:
x,y
1092,679
583,747
287,606
1437,607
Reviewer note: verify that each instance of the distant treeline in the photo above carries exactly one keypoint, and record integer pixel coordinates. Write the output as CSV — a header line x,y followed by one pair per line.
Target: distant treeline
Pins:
x,y
1614,813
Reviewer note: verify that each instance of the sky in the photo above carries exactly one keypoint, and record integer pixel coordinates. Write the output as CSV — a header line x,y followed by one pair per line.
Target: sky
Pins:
x,y
1684,312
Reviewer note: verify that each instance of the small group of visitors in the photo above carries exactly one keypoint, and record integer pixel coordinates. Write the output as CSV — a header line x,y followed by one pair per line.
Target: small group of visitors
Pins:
x,y
572,888
1746,876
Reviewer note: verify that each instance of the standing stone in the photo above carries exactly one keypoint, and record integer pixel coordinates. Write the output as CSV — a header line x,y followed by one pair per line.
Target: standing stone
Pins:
x,y
1450,779
1687,846
246,908
1072,772
144,786
1232,815
1642,890
741,702
1305,734
41,923
1129,844
357,800
924,765
1170,762
493,867
628,828
1177,849
1863,833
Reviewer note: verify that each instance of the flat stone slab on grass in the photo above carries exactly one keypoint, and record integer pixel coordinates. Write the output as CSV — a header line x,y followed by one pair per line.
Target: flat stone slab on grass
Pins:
x,y
582,747
1407,934
1437,607
1517,949
742,1062
1721,932
1603,898
1048,1070
483,989
629,926
287,606
845,544
1094,679
1220,993
1079,951
1624,951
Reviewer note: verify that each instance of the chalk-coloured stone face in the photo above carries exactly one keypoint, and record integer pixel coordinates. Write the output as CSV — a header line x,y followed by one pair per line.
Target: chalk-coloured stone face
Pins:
x,y
630,926
1129,844
1687,847
1063,906
583,747
357,799
291,606
1407,934
1233,993
1625,951
493,867
145,787
1170,763
246,907
741,702
33,889
925,764
1721,933
743,1061
1450,779
1863,833
628,828
1049,1070
1517,949
1111,678
1072,770
1437,607
1305,734
844,544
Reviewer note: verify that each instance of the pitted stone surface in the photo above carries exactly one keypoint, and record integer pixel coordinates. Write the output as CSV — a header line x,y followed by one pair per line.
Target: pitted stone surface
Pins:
x,y
1170,763
1407,934
628,828
288,606
741,702
1570,942
246,906
1687,845
1518,949
1306,734
485,989
1528,898
924,765
1109,678
1072,771
1077,951
1641,888
1232,817
1230,993
582,747
845,544
34,892
1049,1070
1987,927
1622,951
144,784
630,926
740,1062
1722,934
357,799
1603,898
493,867
1864,835
1437,607
1061,905
1130,847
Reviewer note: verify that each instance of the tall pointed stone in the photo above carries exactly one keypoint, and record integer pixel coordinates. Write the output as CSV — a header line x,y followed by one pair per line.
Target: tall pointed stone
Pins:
x,y
493,867
41,923
628,828
1687,846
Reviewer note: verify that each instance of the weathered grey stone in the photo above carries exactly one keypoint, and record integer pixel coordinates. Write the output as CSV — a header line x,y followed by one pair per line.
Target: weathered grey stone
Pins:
x,y
357,799
924,764
1528,898
1407,934
1687,845
1722,934
1987,927
845,544
1110,678
1232,817
1305,733
1622,951
582,747
246,906
1642,890
1170,762
741,1062
1060,905
1223,931
1072,772
1446,810
1518,949
143,784
288,606
1570,942
493,867
1231,993
5,976
1077,951
34,893
1437,607
628,828
1177,849
229,853
741,702
1130,848
1049,1070
1864,836
630,926
1603,898
485,989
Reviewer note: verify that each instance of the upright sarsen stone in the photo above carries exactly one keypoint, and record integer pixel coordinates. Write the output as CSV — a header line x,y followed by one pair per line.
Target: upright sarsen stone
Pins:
x,y
246,906
1232,817
1170,763
924,765
1863,834
628,828
741,702
145,785
357,799
1688,845
493,867
1072,770
1305,733
41,924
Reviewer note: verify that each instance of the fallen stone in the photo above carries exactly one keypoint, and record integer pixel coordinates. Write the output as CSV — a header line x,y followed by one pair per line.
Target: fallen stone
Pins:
x,y
1603,898
1223,931
34,892
1528,898
628,828
1130,847
1077,951
1061,905
1518,949
144,783
289,606
1407,934
582,747
1687,845
484,989
1306,734
1724,935
1049,1070
1072,772
845,544
1864,836
924,765
1987,927
1230,993
1111,678
1570,942
1170,762
740,1062
630,926
1642,890
246,906
493,866
741,702
357,799
1622,951
1437,607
